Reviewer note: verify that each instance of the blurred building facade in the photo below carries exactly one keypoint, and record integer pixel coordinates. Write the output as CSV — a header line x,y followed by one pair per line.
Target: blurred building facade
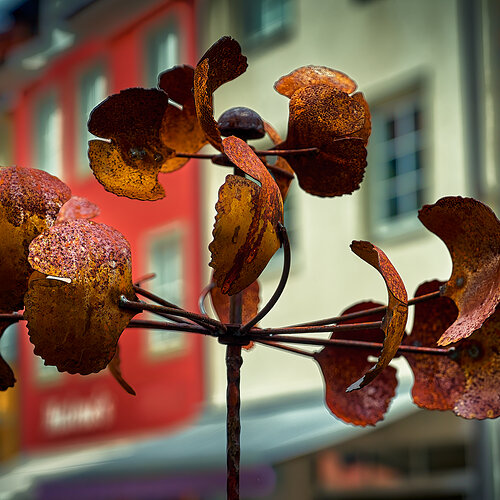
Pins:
x,y
430,72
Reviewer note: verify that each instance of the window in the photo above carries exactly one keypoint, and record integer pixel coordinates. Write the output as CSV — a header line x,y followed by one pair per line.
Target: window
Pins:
x,y
92,90
396,157
264,20
167,262
48,140
162,52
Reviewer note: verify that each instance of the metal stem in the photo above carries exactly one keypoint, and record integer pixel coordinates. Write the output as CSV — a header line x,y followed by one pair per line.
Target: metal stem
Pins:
x,y
266,152
286,348
163,325
271,332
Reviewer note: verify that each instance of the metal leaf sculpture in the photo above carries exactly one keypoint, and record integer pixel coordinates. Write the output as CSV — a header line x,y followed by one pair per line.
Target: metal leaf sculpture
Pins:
x,y
246,226
29,203
342,366
77,208
72,305
471,232
322,114
394,322
250,298
115,369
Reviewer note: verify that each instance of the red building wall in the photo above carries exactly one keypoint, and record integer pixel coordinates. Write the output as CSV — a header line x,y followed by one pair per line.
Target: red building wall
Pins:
x,y
170,389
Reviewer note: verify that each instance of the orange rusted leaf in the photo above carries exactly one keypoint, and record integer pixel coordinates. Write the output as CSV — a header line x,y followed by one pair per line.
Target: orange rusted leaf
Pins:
x,y
249,303
221,63
180,128
283,180
246,226
132,121
439,381
365,131
115,369
471,232
342,366
7,378
396,315
29,202
77,208
81,270
120,178
314,75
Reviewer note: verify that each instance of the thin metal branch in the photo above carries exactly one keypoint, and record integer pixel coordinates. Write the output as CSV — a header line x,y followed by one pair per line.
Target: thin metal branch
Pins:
x,y
143,306
281,285
366,312
259,152
271,332
164,325
143,279
285,348
12,317
357,344
203,296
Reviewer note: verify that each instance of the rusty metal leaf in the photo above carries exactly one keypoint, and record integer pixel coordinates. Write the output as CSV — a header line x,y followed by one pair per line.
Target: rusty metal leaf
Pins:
x,y
77,208
7,378
282,180
342,366
249,302
180,129
394,322
314,75
222,63
365,131
246,226
81,269
471,232
439,381
120,178
29,202
115,368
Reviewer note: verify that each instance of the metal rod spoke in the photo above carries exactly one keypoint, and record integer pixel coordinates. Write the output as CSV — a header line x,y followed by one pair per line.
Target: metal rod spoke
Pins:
x,y
285,348
271,332
164,325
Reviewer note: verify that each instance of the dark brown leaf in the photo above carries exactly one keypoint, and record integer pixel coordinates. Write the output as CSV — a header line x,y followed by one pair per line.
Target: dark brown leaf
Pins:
x,y
221,63
471,232
342,366
394,322
76,325
246,226
29,202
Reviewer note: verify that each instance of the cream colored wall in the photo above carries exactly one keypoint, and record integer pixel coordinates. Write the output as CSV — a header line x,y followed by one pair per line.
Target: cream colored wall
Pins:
x,y
383,45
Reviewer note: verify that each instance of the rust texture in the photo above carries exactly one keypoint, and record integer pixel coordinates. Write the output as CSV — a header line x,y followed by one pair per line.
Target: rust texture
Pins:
x,y
324,116
394,322
180,128
342,366
471,232
249,306
75,326
222,63
77,208
439,381
245,234
115,368
29,202
130,163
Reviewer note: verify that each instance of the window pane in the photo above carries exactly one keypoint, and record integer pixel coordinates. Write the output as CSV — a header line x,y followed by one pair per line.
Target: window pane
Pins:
x,y
162,53
48,155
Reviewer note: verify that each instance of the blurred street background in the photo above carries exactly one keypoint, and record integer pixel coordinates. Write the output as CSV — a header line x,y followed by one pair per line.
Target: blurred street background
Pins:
x,y
430,70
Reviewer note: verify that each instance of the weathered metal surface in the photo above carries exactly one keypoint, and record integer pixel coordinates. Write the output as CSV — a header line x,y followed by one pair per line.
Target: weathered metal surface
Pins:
x,y
242,122
77,208
249,302
180,129
129,165
245,234
439,381
76,325
306,76
471,232
220,64
29,202
115,369
342,366
394,322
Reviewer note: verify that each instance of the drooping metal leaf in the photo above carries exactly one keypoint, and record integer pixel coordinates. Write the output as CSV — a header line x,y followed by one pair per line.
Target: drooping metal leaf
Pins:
x,y
282,179
471,232
306,76
342,366
7,378
180,128
77,208
249,303
222,63
30,200
132,121
81,269
115,368
394,322
439,381
245,234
